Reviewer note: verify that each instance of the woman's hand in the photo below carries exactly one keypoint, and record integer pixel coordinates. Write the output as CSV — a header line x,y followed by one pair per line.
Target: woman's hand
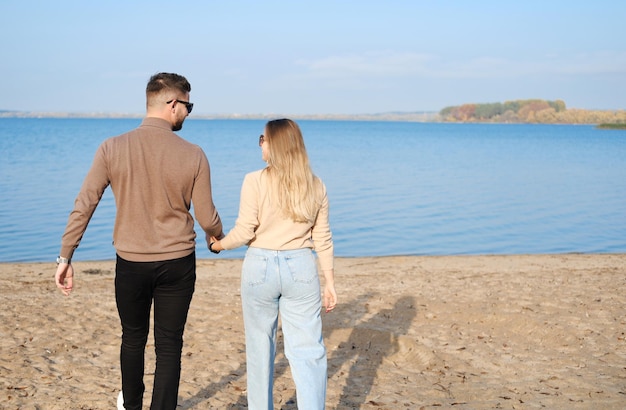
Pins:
x,y
330,295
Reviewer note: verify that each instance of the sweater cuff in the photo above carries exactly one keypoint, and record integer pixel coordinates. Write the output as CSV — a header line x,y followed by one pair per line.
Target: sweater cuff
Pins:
x,y
67,252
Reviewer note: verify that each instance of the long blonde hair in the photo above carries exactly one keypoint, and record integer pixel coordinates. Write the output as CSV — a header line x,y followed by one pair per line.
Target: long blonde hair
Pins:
x,y
295,186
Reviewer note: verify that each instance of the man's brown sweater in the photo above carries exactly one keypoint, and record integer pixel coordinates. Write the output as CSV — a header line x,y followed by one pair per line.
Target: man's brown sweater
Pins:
x,y
155,176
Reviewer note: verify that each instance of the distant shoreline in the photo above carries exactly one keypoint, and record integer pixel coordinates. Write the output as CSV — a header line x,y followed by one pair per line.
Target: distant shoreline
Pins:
x,y
418,116
393,116
621,126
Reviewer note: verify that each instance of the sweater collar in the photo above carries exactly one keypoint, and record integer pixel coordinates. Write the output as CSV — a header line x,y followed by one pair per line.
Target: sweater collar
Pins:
x,y
157,122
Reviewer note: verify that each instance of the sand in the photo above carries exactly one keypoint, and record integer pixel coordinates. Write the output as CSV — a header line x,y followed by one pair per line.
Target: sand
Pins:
x,y
460,332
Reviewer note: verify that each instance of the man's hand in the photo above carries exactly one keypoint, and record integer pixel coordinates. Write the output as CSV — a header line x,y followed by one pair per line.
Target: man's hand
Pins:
x,y
64,278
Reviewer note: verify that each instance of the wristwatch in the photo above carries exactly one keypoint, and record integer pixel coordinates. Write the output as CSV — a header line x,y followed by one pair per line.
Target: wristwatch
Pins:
x,y
61,259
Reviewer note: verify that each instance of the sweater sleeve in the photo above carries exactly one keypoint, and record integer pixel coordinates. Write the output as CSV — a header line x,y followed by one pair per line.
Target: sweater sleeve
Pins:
x,y
202,199
93,187
248,219
322,236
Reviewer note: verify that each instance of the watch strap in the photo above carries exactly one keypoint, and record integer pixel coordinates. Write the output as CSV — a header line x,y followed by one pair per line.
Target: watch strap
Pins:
x,y
61,259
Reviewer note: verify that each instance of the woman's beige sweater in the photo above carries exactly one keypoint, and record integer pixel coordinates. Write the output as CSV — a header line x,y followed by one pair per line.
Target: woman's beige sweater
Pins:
x,y
262,224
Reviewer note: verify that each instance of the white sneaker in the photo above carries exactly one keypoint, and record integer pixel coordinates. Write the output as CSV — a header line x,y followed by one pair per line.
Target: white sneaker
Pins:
x,y
120,401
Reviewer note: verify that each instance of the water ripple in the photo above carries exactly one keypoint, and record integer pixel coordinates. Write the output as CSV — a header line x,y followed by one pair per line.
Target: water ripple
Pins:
x,y
394,188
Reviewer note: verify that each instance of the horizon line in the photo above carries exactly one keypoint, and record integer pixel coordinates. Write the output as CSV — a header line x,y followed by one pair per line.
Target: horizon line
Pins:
x,y
412,115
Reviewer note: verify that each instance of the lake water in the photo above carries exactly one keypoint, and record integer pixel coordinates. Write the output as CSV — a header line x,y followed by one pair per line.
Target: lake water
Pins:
x,y
395,188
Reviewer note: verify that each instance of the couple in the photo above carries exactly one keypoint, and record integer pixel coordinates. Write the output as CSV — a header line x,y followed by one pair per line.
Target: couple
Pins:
x,y
155,176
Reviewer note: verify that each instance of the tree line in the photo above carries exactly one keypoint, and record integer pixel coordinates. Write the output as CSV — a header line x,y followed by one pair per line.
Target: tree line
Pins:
x,y
530,111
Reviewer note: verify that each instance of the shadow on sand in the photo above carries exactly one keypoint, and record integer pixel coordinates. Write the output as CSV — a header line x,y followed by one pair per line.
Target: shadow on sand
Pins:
x,y
364,341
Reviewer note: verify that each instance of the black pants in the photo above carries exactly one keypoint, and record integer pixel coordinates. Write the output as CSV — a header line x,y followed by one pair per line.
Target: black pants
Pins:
x,y
171,285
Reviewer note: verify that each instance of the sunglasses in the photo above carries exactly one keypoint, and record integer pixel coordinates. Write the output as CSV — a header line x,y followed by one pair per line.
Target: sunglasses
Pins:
x,y
261,139
188,105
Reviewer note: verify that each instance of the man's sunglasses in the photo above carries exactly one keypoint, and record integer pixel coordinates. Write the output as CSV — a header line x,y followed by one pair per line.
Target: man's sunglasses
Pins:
x,y
187,104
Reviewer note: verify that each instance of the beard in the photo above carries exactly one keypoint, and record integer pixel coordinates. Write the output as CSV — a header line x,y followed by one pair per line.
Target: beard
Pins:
x,y
178,125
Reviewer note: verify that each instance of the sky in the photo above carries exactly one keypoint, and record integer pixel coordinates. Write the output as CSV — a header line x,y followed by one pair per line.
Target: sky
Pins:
x,y
312,57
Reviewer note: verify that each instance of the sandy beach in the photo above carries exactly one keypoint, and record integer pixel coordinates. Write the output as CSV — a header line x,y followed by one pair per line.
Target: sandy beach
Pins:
x,y
459,332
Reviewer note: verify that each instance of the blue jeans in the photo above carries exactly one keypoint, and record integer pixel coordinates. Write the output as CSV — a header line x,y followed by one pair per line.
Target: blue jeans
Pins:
x,y
285,281
171,285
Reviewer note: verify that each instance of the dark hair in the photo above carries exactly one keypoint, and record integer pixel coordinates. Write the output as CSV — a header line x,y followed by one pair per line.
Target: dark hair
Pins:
x,y
163,81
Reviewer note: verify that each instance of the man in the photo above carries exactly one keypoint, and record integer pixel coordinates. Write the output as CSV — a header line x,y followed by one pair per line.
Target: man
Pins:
x,y
155,176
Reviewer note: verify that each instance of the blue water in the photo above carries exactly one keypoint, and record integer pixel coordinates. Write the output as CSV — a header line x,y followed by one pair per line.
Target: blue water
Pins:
x,y
395,188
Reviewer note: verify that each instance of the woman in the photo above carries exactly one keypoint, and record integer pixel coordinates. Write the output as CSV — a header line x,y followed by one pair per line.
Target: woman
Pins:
x,y
283,217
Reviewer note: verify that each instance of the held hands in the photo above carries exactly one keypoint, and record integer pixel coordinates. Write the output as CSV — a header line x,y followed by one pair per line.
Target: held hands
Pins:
x,y
64,278
214,245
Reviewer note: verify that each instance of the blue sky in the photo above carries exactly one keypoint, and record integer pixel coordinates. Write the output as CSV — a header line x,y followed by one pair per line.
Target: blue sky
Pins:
x,y
317,57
